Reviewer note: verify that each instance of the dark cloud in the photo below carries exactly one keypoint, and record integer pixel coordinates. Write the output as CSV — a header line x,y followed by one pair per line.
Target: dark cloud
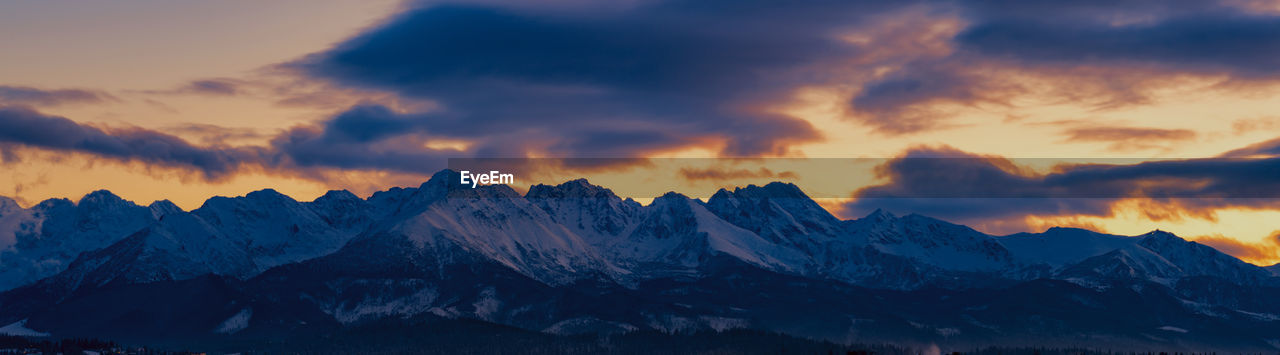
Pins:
x,y
667,75
337,144
212,87
314,148
900,102
22,95
656,77
1208,43
30,128
952,184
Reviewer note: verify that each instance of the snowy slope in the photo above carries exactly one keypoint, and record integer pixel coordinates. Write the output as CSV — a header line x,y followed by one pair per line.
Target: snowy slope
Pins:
x,y
1163,258
496,222
41,241
272,228
933,242
1059,247
778,212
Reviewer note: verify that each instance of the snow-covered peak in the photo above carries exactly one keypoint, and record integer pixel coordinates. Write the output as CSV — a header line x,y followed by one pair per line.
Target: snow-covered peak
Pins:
x,y
1195,259
162,208
103,199
579,188
879,216
589,209
336,196
1058,246
268,196
1158,239
343,210
275,228
44,239
1121,264
933,242
8,204
679,232
53,204
775,189
181,246
1157,256
671,199
779,212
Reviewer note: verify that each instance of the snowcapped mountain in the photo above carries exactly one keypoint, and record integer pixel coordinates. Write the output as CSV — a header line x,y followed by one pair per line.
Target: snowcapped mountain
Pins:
x,y
933,242
778,212
576,257
42,241
573,231
275,229
107,236
1158,256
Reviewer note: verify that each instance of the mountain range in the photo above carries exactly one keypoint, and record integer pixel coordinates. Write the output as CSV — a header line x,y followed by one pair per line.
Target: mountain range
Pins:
x,y
576,258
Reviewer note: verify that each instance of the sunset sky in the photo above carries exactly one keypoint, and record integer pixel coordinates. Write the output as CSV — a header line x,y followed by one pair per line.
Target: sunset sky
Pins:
x,y
1118,118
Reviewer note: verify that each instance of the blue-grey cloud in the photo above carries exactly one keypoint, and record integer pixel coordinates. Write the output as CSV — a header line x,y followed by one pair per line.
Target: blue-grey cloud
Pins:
x,y
212,87
28,127
23,95
1103,53
948,183
209,87
660,76
674,74
1237,44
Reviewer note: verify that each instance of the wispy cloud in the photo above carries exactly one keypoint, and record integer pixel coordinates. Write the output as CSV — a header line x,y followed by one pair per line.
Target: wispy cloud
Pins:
x,y
23,95
1123,139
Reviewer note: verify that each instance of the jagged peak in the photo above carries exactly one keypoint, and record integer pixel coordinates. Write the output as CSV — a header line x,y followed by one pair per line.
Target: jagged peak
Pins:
x,y
1067,230
54,203
391,192
8,204
672,195
919,219
776,189
337,195
442,177
101,198
161,208
1161,237
263,196
572,188
267,193
671,198
880,215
